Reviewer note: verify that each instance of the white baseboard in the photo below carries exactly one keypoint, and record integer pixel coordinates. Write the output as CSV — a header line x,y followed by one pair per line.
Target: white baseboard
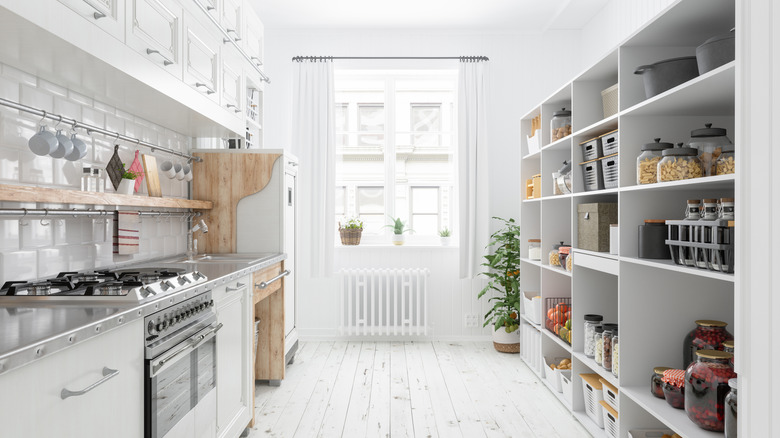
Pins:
x,y
330,335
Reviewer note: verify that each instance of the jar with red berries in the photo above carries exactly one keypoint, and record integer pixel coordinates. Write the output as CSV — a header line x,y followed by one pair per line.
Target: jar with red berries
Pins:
x,y
656,385
728,347
708,335
706,386
674,388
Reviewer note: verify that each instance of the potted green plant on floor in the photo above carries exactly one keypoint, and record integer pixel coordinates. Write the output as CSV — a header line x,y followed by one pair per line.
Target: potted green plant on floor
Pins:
x,y
445,236
504,274
399,228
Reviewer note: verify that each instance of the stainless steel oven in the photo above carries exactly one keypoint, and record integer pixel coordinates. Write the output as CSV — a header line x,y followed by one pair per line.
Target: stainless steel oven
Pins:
x,y
181,371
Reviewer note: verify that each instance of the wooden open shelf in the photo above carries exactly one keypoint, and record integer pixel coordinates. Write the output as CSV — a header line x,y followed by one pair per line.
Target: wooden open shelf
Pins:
x,y
15,193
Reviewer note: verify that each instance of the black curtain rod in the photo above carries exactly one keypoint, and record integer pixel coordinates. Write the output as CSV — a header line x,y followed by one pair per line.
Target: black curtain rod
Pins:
x,y
330,58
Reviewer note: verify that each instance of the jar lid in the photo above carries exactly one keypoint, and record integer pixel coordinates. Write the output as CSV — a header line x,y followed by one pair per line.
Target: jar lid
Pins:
x,y
614,332
655,221
656,145
710,323
558,245
694,201
660,370
728,344
733,382
593,317
566,168
534,240
562,112
726,200
599,328
681,151
714,354
674,377
710,201
609,327
564,249
709,131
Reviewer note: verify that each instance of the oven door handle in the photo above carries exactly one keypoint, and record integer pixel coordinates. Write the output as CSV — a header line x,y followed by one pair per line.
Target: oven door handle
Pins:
x,y
158,366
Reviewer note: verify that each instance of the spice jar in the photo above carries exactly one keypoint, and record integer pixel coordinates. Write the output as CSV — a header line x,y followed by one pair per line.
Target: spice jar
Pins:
x,y
598,345
647,161
674,388
693,210
591,321
535,249
726,210
652,240
615,353
710,143
679,163
563,254
560,125
656,384
726,163
708,335
555,259
730,408
606,357
706,385
710,210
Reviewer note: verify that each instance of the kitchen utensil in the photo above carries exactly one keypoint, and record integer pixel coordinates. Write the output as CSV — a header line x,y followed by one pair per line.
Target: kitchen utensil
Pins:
x,y
667,74
115,169
167,169
136,167
152,178
716,51
43,142
179,171
79,149
64,145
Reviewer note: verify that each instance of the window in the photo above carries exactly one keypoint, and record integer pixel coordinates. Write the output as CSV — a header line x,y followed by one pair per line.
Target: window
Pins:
x,y
395,133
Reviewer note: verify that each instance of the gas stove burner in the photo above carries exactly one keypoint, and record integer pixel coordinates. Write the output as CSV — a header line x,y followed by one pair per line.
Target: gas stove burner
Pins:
x,y
39,288
111,288
148,275
81,277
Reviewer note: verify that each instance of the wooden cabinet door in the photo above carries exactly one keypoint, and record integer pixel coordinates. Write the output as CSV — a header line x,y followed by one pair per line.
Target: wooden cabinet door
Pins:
x,y
201,58
108,15
155,31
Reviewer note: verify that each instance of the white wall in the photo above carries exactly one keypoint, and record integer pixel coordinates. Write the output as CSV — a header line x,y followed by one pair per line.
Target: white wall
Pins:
x,y
516,84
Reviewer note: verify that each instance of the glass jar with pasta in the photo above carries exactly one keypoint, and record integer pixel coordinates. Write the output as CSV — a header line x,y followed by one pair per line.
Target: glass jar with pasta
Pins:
x,y
679,163
647,161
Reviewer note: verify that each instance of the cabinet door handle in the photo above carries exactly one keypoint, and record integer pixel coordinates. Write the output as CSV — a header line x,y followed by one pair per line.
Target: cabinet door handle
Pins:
x,y
240,284
257,60
230,289
108,374
264,284
236,37
166,61
98,15
209,90
235,108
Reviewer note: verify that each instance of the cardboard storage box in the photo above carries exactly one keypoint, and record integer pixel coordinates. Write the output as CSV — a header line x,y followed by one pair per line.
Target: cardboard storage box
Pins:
x,y
593,222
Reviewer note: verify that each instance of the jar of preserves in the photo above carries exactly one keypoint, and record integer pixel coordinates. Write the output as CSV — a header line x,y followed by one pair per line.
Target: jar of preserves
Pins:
x,y
726,210
535,249
679,163
656,384
615,353
606,357
730,406
674,388
726,163
728,347
710,210
706,385
708,335
554,257
563,255
591,322
598,345
647,161
560,125
710,142
693,209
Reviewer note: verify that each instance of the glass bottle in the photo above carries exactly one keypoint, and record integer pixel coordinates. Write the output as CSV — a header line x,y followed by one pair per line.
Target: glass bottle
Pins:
x,y
606,357
708,335
591,321
647,161
656,384
86,177
706,385
710,210
100,183
598,345
693,210
726,210
615,353
679,163
730,406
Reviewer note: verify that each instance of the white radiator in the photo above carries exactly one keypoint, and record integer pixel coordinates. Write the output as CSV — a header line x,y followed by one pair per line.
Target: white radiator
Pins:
x,y
383,302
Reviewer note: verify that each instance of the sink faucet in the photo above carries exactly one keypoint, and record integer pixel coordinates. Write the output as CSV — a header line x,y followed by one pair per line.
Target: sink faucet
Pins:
x,y
192,244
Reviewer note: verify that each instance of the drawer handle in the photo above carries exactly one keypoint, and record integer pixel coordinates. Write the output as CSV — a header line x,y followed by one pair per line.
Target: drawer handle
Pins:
x,y
98,15
230,289
108,374
209,90
264,284
166,61
240,284
235,108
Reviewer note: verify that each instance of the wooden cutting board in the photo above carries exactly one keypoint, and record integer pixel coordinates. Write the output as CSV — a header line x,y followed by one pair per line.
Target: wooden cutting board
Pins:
x,y
152,178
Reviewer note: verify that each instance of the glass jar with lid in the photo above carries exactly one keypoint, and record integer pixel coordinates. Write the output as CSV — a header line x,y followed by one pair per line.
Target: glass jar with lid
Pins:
x,y
606,336
598,344
730,406
647,161
706,385
591,321
615,353
726,209
656,384
554,257
726,163
674,388
709,210
710,143
563,254
708,335
560,125
728,347
679,163
535,249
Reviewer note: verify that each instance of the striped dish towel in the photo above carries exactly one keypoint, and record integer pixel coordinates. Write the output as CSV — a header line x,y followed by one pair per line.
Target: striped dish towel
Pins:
x,y
126,225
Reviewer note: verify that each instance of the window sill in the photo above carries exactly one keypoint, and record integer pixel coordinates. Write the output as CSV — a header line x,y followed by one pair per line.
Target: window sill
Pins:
x,y
405,245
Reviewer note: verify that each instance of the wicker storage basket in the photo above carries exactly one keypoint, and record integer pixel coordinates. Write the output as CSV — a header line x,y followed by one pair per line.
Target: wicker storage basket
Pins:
x,y
350,236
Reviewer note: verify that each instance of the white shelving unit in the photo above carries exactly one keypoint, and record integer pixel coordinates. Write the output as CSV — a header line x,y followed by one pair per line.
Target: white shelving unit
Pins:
x,y
655,302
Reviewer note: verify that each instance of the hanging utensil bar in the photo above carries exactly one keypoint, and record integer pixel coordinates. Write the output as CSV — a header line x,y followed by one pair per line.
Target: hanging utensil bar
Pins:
x,y
60,213
92,129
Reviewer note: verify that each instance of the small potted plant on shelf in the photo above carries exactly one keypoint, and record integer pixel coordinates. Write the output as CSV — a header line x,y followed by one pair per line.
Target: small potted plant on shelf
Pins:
x,y
127,185
445,236
351,231
504,274
399,229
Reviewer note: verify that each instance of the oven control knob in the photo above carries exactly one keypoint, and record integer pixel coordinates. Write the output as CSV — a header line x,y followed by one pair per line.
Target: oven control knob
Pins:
x,y
211,303
151,328
160,327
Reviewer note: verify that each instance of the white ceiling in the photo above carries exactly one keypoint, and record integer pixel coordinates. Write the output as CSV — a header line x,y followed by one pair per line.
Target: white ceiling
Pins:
x,y
503,15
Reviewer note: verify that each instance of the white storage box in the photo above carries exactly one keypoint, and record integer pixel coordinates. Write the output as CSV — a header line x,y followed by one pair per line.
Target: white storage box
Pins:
x,y
532,306
592,393
649,433
614,239
610,393
610,419
533,143
566,386
553,376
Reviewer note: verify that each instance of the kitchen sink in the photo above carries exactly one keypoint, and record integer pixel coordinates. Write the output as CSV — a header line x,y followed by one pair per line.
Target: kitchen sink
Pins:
x,y
220,258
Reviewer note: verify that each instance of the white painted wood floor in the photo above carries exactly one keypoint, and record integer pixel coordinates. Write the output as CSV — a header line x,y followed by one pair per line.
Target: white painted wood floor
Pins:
x,y
409,389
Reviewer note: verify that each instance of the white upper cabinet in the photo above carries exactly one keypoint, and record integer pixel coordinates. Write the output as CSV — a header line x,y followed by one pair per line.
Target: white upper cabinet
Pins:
x,y
108,15
201,58
232,82
154,30
233,18
253,39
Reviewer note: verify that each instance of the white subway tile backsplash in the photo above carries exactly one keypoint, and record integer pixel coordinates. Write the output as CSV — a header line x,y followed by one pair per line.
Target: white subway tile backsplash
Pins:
x,y
114,123
18,266
9,235
52,88
35,233
103,254
67,108
9,164
60,232
102,150
36,98
52,261
19,76
67,173
92,116
16,132
80,257
108,109
80,98
36,169
169,246
9,89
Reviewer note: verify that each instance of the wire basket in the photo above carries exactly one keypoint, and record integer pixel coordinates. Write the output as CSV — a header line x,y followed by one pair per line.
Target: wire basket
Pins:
x,y
555,325
350,236
702,244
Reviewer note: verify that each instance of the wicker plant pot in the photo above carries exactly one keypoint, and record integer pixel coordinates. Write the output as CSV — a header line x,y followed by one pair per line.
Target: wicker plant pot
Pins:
x,y
350,236
505,342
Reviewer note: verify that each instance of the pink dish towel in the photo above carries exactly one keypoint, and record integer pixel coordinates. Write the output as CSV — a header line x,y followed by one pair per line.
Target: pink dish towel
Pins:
x,y
136,167
126,231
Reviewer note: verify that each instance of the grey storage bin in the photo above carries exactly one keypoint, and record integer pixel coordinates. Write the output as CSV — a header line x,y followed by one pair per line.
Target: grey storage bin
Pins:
x,y
609,143
592,175
609,168
591,149
593,222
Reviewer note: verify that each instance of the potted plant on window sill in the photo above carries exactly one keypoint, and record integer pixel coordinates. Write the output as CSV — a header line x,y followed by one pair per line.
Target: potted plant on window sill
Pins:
x,y
351,231
504,274
445,236
127,185
398,230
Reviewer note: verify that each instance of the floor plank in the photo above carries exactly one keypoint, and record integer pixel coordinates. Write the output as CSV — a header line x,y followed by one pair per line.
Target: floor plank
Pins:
x,y
401,423
316,405
336,409
423,419
379,407
356,420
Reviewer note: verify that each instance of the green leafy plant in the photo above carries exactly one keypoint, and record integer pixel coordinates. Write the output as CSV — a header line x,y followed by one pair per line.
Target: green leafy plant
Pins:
x,y
129,174
504,274
445,232
352,223
398,226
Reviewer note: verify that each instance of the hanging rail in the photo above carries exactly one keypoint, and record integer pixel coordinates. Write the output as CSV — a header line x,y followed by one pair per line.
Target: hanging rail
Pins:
x,y
92,129
48,212
330,58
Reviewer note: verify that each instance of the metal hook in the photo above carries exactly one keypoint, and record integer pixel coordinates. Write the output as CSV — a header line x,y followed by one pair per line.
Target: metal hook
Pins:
x,y
74,213
116,139
43,118
22,222
58,123
45,213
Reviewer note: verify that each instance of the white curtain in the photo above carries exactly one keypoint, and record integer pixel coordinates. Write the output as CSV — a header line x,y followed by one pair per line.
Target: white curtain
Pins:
x,y
314,138
473,168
